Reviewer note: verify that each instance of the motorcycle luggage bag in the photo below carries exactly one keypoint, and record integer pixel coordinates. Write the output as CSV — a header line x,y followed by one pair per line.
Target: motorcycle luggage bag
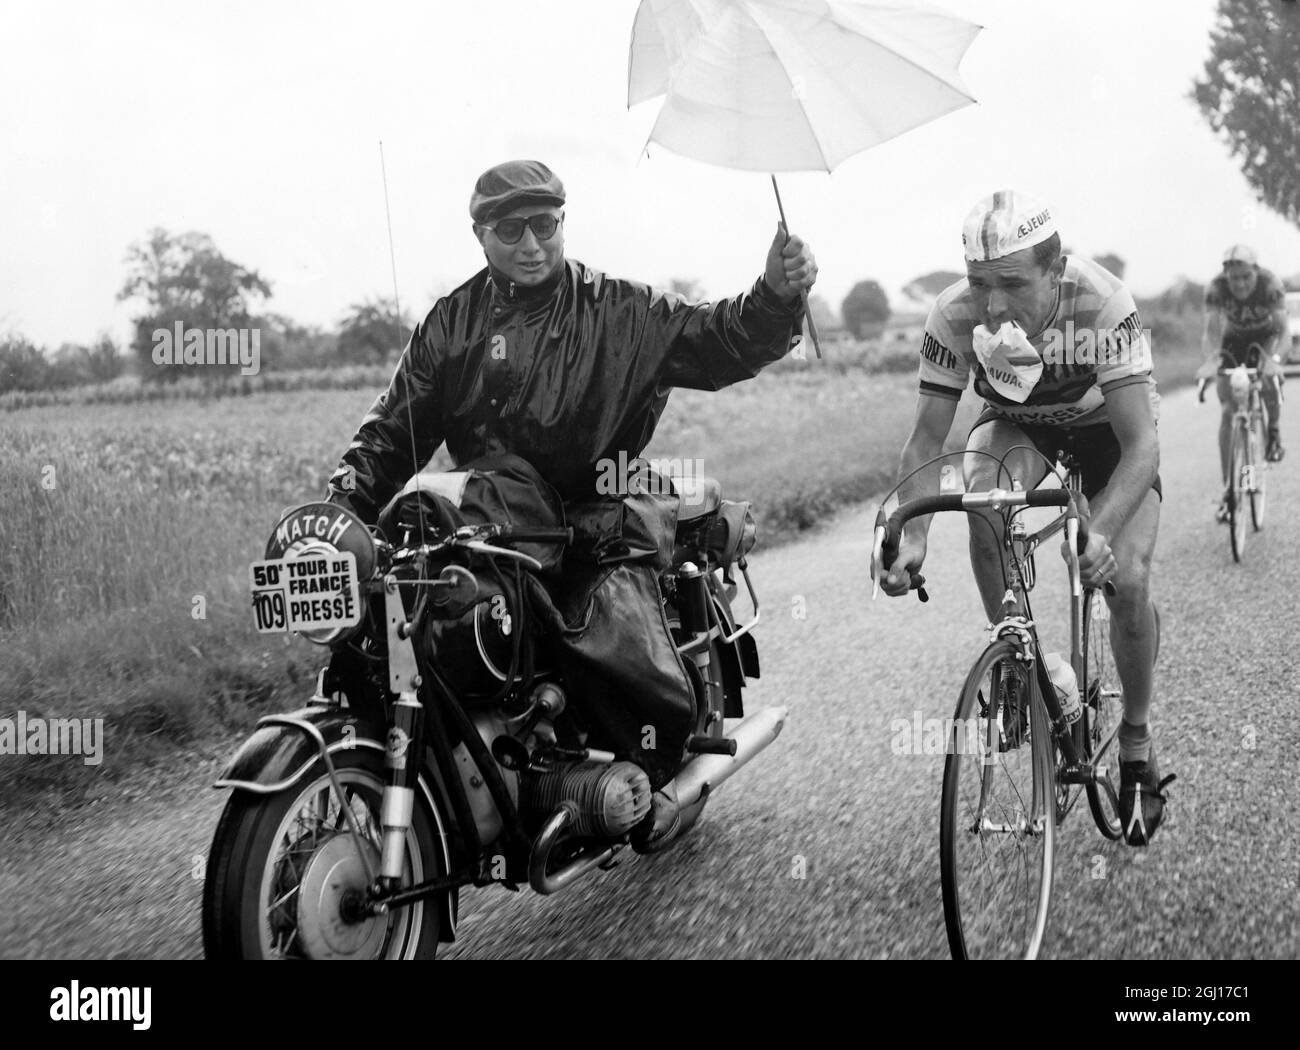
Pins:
x,y
500,488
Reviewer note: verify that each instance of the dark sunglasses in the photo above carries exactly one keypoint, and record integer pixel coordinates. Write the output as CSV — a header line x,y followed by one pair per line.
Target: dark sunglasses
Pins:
x,y
509,231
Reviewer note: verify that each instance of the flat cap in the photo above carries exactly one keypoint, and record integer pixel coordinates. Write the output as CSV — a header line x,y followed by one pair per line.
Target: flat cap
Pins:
x,y
511,185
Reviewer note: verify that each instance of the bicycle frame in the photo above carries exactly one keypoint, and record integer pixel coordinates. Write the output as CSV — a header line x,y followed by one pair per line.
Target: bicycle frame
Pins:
x,y
1015,622
1023,631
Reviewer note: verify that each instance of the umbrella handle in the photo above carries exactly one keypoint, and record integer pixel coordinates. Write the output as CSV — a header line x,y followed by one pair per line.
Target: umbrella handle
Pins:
x,y
807,310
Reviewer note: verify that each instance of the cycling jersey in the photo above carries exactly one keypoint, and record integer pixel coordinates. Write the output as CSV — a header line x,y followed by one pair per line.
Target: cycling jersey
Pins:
x,y
1092,344
1252,316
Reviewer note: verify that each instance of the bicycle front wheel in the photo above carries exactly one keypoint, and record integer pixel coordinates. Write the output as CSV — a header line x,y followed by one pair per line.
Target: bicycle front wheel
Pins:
x,y
1237,463
1258,472
997,832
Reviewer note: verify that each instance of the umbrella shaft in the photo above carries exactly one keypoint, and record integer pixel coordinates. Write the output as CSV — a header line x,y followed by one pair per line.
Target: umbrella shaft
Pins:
x,y
807,310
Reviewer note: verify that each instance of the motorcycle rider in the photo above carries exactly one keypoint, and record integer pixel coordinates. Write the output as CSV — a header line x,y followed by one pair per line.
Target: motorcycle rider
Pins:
x,y
544,357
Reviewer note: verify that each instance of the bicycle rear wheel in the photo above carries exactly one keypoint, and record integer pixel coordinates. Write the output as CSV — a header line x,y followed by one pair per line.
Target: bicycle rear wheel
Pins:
x,y
1237,461
1103,707
997,833
1258,472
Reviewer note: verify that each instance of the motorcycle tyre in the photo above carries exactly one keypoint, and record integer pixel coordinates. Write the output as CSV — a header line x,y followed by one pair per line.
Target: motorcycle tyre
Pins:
x,y
239,854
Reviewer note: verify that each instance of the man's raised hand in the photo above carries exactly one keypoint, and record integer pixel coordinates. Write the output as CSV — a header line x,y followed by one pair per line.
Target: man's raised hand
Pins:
x,y
791,267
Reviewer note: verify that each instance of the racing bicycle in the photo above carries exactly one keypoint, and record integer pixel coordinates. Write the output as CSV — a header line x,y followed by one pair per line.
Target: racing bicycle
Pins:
x,y
1247,466
1016,764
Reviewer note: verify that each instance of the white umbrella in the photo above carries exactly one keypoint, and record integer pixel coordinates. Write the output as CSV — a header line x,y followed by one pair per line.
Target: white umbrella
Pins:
x,y
793,85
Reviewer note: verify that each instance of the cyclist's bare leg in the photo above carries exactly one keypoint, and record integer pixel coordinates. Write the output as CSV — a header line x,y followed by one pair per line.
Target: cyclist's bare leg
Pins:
x,y
1271,395
1272,400
1132,619
995,437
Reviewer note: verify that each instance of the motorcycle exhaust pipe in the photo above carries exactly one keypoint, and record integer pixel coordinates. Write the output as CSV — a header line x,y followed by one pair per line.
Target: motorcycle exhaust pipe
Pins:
x,y
704,773
547,883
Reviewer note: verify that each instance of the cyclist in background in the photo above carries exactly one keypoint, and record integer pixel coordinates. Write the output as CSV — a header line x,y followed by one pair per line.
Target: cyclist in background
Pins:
x,y
1245,309
1061,362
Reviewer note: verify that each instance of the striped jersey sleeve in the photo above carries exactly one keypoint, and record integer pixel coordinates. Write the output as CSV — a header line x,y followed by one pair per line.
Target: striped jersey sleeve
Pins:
x,y
1123,351
944,368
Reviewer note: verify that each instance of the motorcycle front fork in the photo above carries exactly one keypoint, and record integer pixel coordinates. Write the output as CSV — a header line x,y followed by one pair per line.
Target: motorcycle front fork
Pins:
x,y
405,742
401,761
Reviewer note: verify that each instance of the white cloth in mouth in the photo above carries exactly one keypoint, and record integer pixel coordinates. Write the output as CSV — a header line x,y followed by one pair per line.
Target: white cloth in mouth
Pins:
x,y
1011,364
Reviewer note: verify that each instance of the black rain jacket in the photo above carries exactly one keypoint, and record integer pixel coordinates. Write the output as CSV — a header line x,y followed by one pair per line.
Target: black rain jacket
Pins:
x,y
564,374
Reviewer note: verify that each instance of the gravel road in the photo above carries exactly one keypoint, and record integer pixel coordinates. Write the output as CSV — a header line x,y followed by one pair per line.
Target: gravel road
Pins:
x,y
830,801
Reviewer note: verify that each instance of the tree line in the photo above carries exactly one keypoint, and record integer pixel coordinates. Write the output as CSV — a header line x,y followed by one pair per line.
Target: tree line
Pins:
x,y
184,279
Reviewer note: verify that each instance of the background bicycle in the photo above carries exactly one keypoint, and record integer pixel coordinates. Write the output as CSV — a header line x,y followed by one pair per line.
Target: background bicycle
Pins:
x,y
1247,466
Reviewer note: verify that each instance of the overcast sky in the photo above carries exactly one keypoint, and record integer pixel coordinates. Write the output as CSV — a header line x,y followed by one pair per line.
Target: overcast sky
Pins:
x,y
259,124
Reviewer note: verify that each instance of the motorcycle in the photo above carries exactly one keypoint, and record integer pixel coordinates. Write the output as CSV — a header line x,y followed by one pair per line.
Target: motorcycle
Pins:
x,y
440,750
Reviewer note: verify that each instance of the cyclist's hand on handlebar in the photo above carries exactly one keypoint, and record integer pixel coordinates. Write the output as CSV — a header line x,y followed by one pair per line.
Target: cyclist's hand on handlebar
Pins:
x,y
1097,564
898,580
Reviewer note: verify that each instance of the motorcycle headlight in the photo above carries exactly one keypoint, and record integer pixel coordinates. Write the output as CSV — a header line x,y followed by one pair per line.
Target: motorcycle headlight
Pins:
x,y
733,534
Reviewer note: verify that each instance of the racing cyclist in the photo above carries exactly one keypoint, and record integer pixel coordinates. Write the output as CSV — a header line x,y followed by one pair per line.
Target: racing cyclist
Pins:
x,y
1245,311
1061,362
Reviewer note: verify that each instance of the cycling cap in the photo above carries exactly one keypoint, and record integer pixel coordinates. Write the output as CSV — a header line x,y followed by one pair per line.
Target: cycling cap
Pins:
x,y
1240,253
1005,222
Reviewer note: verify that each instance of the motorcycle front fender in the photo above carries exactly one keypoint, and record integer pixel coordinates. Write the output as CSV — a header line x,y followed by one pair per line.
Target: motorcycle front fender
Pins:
x,y
278,754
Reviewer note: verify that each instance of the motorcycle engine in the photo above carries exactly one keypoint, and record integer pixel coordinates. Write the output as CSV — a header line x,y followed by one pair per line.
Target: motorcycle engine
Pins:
x,y
609,799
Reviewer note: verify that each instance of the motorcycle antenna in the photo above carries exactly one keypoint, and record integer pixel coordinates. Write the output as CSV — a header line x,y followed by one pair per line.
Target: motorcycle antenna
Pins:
x,y
406,363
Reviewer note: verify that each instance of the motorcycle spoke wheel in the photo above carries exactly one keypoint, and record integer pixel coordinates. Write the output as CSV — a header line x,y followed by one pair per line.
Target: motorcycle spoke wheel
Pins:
x,y
997,816
315,870
286,881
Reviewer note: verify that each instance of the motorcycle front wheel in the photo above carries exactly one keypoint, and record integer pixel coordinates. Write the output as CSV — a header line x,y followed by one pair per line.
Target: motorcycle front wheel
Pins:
x,y
284,873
